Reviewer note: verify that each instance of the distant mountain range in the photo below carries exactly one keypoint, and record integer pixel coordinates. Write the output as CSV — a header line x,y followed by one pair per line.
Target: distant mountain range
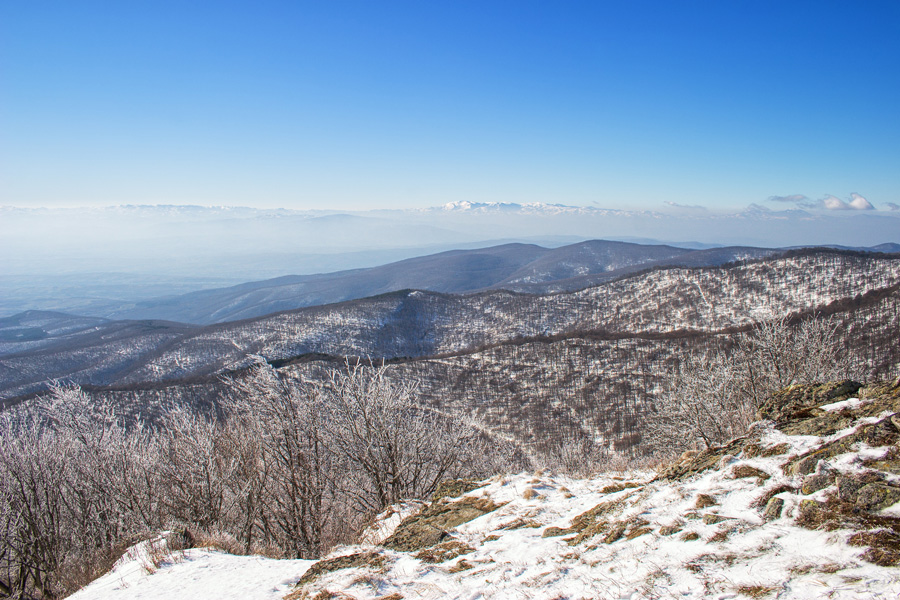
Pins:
x,y
516,267
525,268
642,307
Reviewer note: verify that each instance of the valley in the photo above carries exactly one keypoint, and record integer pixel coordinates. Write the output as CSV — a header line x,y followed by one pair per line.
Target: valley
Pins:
x,y
539,368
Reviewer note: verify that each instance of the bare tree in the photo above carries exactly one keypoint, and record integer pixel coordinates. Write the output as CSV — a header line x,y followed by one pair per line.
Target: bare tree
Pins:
x,y
396,448
292,488
712,397
286,465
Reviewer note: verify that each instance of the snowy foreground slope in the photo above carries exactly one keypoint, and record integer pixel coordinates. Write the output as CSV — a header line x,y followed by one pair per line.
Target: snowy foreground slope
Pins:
x,y
807,505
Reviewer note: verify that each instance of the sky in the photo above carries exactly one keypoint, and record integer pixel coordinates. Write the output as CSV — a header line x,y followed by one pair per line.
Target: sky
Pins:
x,y
360,105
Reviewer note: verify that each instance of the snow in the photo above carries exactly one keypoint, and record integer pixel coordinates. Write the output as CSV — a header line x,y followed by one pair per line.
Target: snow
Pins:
x,y
848,403
731,552
736,557
198,574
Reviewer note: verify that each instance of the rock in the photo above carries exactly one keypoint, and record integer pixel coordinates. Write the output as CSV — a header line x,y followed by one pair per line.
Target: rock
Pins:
x,y
814,483
773,509
451,488
849,485
712,519
889,462
430,525
691,464
876,496
742,471
800,401
812,514
806,465
689,536
880,433
349,561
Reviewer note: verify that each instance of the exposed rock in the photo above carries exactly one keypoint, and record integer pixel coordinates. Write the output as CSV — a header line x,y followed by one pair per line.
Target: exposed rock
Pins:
x,y
819,481
691,464
349,561
770,493
797,402
742,471
849,485
881,433
806,465
775,450
773,509
429,527
876,496
452,488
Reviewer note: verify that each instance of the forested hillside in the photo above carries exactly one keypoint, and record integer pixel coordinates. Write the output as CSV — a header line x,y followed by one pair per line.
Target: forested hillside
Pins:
x,y
538,368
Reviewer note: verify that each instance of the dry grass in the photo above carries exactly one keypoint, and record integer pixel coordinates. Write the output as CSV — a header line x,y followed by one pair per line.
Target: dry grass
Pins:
x,y
444,552
756,591
704,500
462,565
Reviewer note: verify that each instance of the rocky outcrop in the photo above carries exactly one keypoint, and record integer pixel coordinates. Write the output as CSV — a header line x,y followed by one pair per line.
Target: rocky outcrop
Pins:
x,y
858,424
809,497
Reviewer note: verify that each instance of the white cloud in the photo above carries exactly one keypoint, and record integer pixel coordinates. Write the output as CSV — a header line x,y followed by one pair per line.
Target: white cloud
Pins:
x,y
830,202
892,205
857,202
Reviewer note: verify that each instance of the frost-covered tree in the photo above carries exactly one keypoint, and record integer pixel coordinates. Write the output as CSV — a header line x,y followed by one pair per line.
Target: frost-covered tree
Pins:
x,y
713,397
395,447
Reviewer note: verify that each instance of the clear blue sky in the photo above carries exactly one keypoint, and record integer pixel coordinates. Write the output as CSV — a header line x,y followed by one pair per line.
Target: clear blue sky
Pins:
x,y
336,104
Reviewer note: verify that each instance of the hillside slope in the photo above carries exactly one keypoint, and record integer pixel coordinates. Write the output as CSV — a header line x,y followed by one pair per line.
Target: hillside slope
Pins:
x,y
806,505
530,366
507,266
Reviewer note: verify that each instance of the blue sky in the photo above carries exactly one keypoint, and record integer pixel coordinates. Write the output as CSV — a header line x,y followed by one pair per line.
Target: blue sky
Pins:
x,y
355,105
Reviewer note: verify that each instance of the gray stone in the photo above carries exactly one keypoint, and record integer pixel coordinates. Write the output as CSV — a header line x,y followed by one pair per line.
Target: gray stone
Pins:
x,y
814,483
773,509
806,466
876,496
848,486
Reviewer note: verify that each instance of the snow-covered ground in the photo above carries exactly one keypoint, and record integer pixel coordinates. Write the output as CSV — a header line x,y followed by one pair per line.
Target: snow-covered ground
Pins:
x,y
694,535
148,572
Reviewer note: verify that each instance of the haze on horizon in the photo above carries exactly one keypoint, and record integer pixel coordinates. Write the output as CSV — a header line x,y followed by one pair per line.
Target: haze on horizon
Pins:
x,y
360,105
